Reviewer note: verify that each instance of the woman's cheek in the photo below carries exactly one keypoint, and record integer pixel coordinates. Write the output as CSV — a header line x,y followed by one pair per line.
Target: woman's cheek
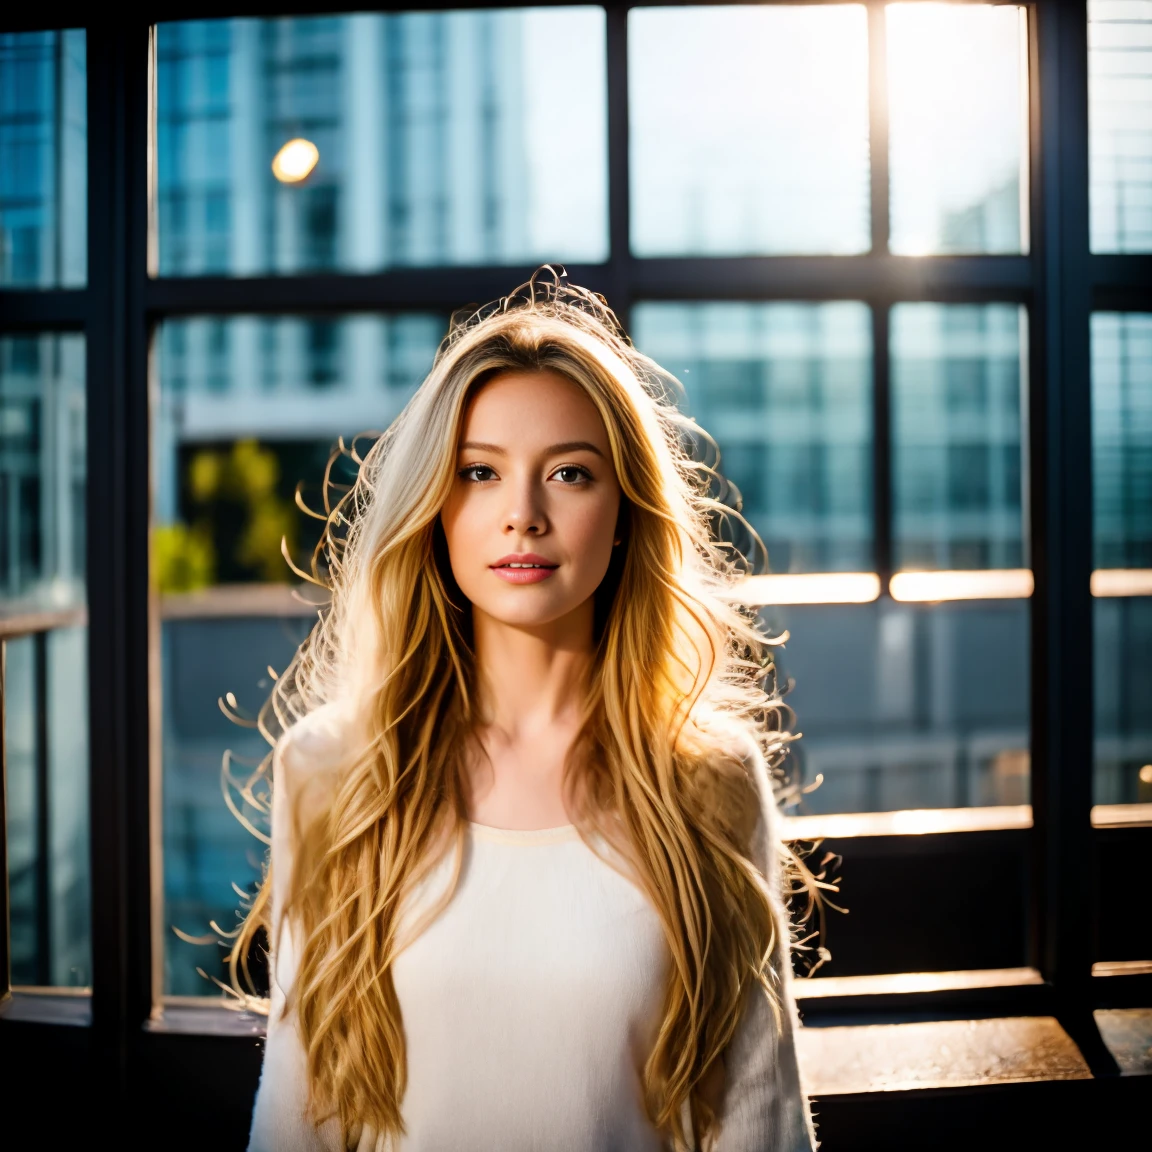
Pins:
x,y
463,533
592,538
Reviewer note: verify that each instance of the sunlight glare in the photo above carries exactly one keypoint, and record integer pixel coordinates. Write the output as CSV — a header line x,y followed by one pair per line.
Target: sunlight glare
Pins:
x,y
957,91
811,588
1122,582
987,584
295,161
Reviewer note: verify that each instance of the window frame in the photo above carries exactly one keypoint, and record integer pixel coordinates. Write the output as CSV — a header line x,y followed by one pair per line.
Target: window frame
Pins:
x,y
124,1029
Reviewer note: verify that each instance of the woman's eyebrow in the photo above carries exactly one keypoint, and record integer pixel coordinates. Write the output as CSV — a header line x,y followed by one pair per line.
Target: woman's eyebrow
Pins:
x,y
575,446
553,450
479,446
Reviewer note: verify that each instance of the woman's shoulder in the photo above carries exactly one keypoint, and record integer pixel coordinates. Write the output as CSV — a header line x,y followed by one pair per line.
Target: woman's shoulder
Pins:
x,y
312,751
748,789
320,737
735,750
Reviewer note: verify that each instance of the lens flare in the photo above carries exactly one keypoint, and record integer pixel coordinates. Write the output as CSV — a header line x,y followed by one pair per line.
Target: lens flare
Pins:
x,y
295,161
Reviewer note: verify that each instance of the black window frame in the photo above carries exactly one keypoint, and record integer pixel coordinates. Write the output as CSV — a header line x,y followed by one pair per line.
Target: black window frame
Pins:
x,y
119,1037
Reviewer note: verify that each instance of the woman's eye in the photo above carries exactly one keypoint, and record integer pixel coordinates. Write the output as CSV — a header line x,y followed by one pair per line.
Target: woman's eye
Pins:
x,y
477,473
571,474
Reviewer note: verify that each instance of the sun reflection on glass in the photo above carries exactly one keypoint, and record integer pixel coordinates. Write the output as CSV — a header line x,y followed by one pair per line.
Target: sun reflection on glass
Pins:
x,y
295,161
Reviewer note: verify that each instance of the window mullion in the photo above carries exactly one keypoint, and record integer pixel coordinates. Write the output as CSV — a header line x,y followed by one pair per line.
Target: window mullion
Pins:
x,y
117,545
1062,530
881,365
881,445
620,287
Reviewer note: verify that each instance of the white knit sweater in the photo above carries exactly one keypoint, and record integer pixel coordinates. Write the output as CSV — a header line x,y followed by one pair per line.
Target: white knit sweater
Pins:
x,y
529,1006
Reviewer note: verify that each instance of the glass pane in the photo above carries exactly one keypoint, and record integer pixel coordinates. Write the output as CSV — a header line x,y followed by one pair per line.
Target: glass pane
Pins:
x,y
749,130
419,139
1122,531
908,705
786,391
45,686
43,159
958,404
42,472
1119,120
1122,440
248,408
958,128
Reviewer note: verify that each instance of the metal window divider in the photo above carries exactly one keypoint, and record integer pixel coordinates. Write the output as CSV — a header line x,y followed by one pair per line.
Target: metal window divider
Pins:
x,y
117,548
1063,900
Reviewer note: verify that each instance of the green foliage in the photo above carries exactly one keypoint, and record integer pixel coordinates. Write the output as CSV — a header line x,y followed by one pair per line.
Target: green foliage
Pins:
x,y
184,558
269,522
238,522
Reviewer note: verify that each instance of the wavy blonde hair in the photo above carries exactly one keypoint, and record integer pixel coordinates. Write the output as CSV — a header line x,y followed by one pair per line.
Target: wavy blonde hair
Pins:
x,y
677,723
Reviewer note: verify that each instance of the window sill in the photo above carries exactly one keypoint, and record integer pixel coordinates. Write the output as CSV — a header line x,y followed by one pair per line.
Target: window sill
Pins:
x,y
877,1058
911,822
209,1018
937,821
1122,815
68,1007
983,992
866,1059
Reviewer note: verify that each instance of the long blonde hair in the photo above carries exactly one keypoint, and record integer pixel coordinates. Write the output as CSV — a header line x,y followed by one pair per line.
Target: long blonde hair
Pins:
x,y
677,720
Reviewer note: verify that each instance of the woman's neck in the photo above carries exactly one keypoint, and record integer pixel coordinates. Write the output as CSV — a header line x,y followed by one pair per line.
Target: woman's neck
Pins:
x,y
528,679
530,686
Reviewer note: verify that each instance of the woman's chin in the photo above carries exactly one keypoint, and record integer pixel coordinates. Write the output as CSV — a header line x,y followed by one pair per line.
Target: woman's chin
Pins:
x,y
527,606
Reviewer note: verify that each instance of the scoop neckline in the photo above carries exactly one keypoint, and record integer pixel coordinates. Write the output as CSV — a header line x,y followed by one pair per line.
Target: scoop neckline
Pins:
x,y
524,836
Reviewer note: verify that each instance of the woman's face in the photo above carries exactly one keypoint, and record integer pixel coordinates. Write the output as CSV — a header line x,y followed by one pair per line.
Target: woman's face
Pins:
x,y
531,518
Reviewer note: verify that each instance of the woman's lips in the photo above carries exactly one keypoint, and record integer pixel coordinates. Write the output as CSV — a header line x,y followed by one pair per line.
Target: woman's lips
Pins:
x,y
527,568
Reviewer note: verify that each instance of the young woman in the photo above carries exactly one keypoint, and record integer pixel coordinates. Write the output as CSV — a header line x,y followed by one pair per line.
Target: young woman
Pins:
x,y
524,889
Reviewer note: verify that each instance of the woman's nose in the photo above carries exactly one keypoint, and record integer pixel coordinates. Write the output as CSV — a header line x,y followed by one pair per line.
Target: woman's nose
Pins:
x,y
525,515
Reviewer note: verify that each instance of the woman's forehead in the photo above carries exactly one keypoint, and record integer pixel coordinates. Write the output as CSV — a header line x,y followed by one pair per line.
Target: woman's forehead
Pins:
x,y
528,406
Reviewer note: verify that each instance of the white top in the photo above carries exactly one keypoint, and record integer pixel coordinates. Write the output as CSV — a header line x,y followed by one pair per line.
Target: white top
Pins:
x,y
529,1007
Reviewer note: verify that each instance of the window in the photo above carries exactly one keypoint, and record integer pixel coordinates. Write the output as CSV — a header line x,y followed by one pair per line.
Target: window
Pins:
x,y
786,391
902,706
43,180
43,657
1122,554
884,247
442,138
959,426
230,448
749,129
957,91
1119,108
